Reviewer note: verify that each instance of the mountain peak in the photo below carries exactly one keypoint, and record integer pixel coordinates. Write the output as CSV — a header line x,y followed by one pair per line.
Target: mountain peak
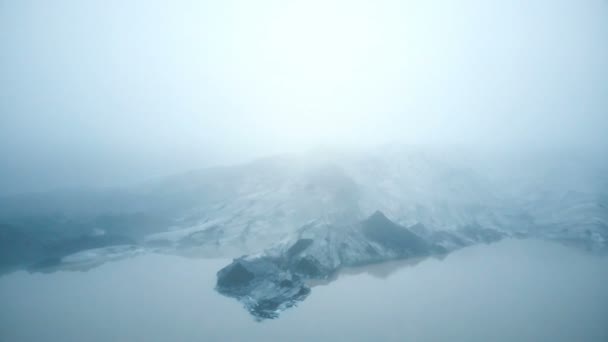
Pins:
x,y
378,217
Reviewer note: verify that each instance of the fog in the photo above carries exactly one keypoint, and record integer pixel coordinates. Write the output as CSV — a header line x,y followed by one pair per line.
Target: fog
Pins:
x,y
98,93
303,170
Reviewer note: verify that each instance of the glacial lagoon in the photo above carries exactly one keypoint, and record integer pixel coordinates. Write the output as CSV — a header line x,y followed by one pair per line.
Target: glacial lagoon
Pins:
x,y
513,290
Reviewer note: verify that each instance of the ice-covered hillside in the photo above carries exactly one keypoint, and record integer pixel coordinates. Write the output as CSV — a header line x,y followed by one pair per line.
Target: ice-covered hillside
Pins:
x,y
233,210
251,206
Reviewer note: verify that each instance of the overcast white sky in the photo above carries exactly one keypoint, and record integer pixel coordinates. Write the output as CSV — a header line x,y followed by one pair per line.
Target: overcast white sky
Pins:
x,y
109,92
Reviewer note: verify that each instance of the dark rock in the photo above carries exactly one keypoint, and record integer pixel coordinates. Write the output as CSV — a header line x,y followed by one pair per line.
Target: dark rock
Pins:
x,y
236,275
276,280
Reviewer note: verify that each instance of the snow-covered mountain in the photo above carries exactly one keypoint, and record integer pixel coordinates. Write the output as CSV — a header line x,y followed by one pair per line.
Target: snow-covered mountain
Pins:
x,y
447,196
252,206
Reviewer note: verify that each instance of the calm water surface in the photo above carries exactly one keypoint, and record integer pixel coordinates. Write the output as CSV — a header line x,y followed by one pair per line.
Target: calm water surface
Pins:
x,y
509,291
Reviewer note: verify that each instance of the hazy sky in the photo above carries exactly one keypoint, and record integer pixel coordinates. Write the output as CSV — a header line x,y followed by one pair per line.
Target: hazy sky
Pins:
x,y
107,92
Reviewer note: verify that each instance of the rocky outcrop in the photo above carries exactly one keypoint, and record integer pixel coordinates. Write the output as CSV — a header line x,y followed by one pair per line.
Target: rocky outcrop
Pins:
x,y
278,278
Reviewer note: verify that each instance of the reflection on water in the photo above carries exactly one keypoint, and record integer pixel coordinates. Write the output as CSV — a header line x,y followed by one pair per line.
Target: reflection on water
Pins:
x,y
380,270
512,290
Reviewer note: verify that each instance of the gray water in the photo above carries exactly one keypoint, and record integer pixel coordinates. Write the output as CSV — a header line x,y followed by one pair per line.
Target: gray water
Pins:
x,y
514,290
